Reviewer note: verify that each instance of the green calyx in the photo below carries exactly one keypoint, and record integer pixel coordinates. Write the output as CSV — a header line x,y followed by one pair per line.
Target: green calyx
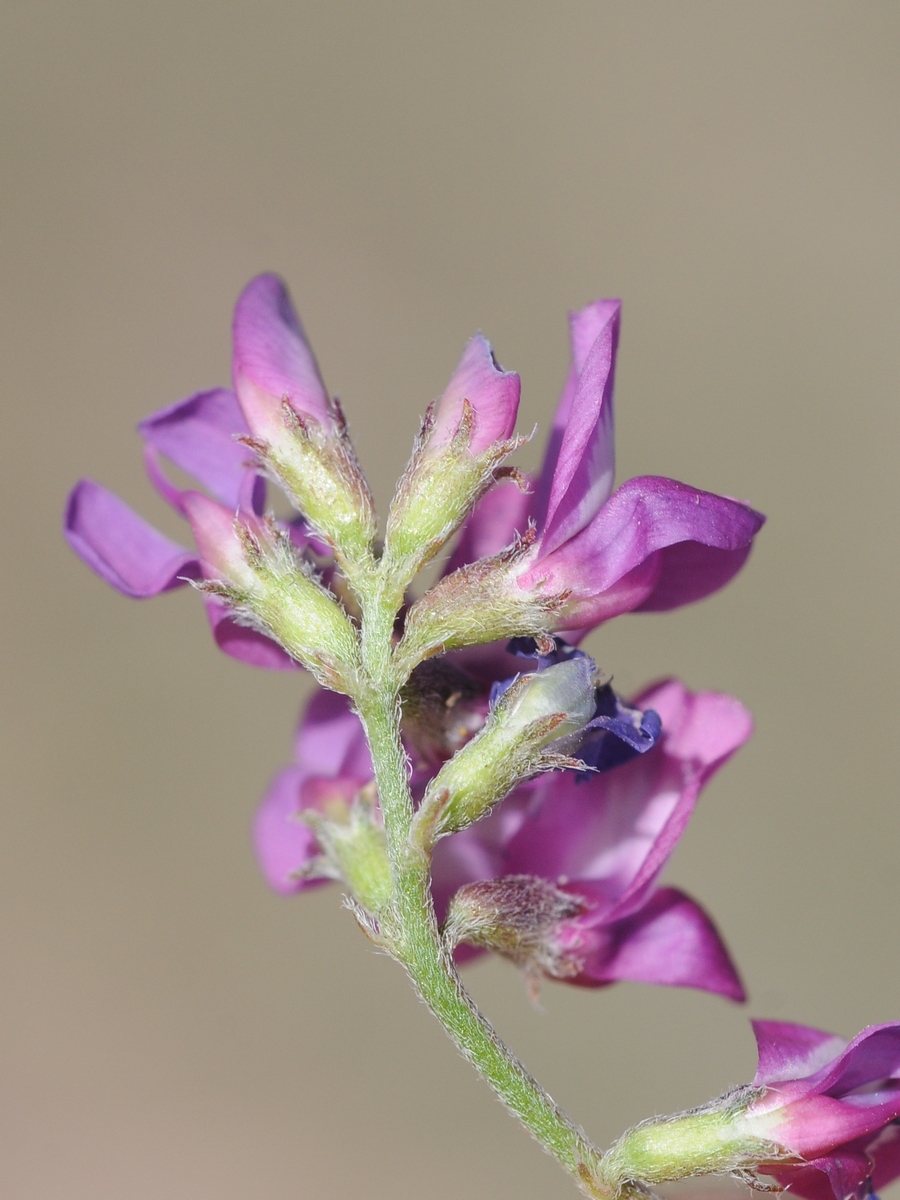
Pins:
x,y
352,842
535,713
437,491
706,1141
279,594
321,474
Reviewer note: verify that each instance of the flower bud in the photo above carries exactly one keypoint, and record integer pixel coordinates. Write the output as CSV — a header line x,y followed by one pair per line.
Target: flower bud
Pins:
x,y
298,431
463,441
251,565
525,732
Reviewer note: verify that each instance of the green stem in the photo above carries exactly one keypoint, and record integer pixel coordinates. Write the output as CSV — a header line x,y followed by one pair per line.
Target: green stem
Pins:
x,y
410,928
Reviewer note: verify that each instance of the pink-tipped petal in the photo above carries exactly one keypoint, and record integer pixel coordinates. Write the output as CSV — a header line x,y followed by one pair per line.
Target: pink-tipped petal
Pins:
x,y
213,527
198,435
121,546
492,392
272,359
670,940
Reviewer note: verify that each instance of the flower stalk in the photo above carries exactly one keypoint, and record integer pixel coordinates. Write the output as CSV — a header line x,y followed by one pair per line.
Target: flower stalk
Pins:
x,y
529,812
409,930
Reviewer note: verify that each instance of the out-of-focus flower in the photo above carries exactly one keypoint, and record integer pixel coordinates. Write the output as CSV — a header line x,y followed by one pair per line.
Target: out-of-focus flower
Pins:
x,y
600,843
832,1108
331,767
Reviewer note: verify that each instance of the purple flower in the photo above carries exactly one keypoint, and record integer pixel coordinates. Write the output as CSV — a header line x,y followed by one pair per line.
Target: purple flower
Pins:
x,y
602,842
653,544
606,841
832,1108
200,436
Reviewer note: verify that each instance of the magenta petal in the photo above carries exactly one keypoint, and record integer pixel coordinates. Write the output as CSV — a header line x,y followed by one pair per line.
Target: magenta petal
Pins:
x,y
885,1153
838,1176
873,1055
789,1051
620,827
585,467
272,358
330,740
198,435
643,517
703,728
492,392
670,941
689,572
245,644
492,525
121,546
585,327
284,845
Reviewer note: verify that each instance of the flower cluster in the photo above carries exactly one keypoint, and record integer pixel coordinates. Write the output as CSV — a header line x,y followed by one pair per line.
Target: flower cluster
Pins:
x,y
465,770
572,550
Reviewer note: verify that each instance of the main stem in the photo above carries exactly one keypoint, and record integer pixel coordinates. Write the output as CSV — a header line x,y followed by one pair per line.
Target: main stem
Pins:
x,y
412,932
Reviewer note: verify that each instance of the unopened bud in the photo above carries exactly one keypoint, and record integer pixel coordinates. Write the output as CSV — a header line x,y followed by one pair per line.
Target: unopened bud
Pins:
x,y
463,441
296,429
250,564
525,732
316,465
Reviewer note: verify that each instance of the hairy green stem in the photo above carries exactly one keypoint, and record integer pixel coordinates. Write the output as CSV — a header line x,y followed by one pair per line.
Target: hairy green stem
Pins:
x,y
411,931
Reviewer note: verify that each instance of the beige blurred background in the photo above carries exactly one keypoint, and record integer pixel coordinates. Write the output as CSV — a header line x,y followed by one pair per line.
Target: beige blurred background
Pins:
x,y
172,1031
